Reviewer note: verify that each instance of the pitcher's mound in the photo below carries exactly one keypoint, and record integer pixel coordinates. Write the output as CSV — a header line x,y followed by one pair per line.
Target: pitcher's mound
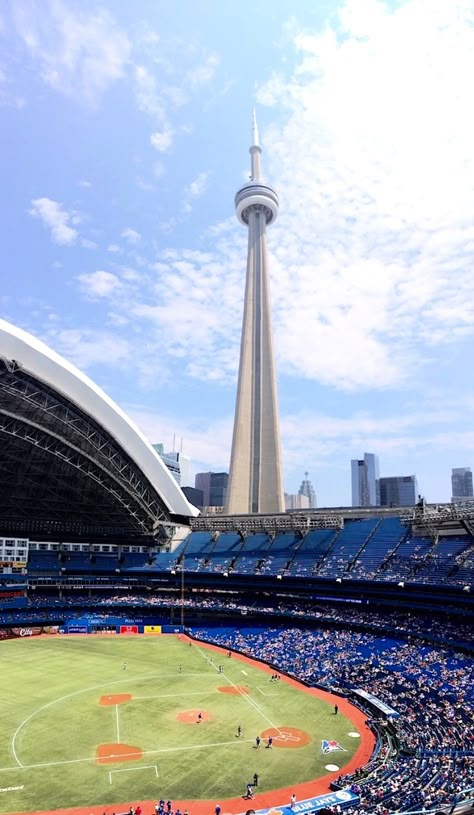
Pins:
x,y
233,689
115,699
193,716
110,753
286,737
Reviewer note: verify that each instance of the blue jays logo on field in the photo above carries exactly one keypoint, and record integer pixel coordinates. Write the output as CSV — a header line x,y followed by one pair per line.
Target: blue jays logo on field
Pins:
x,y
330,746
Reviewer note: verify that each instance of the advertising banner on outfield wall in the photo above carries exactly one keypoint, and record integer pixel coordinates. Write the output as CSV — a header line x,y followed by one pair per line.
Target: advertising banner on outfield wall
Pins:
x,y
343,798
152,629
129,629
26,631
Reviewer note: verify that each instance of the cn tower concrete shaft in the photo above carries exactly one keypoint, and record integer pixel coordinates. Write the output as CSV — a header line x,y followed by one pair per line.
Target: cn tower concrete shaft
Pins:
x,y
255,479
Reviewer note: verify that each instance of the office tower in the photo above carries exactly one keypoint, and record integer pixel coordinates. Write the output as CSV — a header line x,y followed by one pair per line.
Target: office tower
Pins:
x,y
171,460
364,477
194,496
255,481
213,487
298,501
461,483
398,491
308,490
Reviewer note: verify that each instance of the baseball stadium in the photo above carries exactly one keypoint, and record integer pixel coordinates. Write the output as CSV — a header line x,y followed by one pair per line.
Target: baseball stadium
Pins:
x,y
158,661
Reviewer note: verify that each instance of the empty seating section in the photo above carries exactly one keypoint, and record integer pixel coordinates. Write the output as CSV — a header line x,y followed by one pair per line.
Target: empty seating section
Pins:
x,y
380,545
368,549
346,546
281,552
252,553
80,562
196,550
405,561
312,550
43,562
441,560
461,574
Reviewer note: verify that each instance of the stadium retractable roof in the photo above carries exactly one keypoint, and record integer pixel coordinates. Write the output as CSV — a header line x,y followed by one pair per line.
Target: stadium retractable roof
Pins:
x,y
70,458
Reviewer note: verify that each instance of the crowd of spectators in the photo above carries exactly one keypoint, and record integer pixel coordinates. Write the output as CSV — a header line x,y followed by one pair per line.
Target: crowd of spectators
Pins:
x,y
401,623
431,689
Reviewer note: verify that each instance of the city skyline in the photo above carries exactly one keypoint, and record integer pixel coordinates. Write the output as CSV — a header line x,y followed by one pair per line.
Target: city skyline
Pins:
x,y
123,140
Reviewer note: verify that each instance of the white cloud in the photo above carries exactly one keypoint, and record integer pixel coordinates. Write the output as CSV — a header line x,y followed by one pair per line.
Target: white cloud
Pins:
x,y
148,94
84,183
162,141
89,347
372,264
130,235
195,189
198,187
52,214
99,284
114,248
88,244
203,73
80,53
207,443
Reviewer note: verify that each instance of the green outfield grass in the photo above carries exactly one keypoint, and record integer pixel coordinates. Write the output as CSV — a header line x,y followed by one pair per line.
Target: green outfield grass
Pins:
x,y
51,723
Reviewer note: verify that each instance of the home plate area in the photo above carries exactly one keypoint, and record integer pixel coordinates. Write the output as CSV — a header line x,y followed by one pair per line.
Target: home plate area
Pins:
x,y
286,737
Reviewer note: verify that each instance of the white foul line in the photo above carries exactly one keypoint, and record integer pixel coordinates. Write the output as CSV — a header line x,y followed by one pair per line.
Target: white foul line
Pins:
x,y
244,695
127,755
139,678
117,720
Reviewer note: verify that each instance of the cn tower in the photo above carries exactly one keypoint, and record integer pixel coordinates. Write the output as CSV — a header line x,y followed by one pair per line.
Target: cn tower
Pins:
x,y
255,478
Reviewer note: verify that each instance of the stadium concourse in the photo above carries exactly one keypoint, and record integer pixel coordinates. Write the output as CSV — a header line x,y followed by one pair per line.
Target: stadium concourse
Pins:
x,y
375,605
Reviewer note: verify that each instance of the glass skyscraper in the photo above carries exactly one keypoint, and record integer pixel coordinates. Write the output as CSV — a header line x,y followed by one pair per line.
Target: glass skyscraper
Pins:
x,y
364,478
398,491
461,483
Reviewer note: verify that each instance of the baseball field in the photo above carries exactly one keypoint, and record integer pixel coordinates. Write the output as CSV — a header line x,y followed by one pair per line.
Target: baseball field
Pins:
x,y
108,722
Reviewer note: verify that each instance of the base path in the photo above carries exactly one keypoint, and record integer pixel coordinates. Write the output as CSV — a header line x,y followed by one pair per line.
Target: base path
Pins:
x,y
235,689
263,800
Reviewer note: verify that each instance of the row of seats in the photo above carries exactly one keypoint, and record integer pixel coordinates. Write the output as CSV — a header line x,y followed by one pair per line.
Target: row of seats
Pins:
x,y
369,549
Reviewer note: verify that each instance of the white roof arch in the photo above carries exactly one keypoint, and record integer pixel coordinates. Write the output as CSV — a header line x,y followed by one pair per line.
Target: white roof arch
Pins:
x,y
36,358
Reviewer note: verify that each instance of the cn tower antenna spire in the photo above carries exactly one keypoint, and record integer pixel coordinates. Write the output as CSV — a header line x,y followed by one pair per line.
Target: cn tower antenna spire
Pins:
x,y
255,138
255,151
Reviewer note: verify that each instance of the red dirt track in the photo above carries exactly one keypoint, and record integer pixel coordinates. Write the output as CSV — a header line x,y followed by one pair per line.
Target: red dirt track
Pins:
x,y
274,798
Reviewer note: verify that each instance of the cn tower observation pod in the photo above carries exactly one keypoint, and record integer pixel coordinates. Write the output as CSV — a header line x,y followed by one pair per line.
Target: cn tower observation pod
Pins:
x,y
71,461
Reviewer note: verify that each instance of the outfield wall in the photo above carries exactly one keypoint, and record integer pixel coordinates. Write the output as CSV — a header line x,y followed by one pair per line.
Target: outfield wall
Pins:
x,y
117,625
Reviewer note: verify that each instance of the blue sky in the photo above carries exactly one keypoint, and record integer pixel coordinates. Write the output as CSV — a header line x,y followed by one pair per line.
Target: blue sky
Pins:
x,y
125,134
